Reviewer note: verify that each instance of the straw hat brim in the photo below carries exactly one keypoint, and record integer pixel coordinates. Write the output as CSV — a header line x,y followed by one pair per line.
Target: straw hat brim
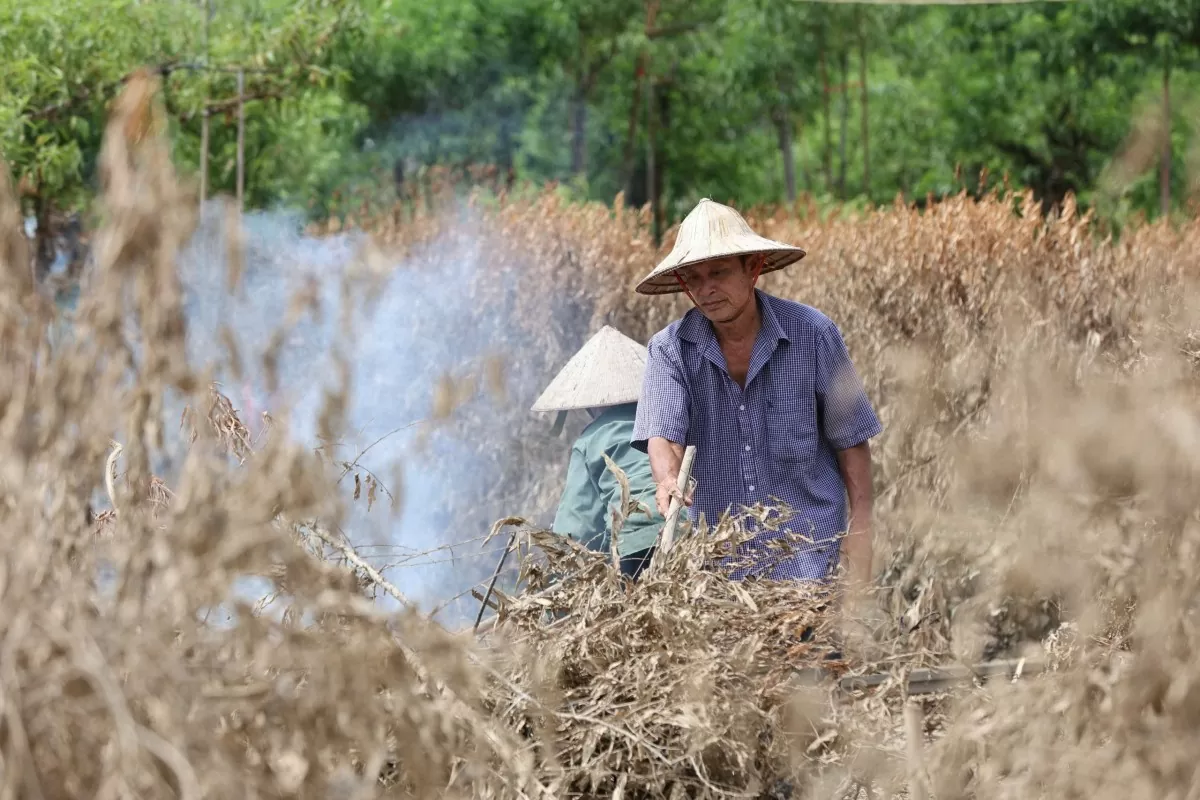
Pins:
x,y
607,371
778,255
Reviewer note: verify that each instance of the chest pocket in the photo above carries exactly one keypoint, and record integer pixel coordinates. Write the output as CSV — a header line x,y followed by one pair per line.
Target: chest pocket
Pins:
x,y
792,428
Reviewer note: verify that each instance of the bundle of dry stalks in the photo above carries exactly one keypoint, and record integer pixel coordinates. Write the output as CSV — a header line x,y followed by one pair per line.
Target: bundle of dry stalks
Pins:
x,y
678,684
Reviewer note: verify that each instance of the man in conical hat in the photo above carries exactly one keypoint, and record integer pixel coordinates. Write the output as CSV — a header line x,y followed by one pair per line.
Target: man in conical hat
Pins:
x,y
766,391
604,379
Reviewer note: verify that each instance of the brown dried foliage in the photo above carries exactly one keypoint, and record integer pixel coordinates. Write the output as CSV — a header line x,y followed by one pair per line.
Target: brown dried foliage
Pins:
x,y
1036,495
131,666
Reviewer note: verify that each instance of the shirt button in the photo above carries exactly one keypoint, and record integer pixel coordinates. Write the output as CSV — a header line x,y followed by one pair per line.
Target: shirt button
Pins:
x,y
741,408
752,488
747,448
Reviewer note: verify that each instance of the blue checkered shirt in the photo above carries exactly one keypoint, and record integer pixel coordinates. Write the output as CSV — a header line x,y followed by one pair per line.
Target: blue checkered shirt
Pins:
x,y
774,443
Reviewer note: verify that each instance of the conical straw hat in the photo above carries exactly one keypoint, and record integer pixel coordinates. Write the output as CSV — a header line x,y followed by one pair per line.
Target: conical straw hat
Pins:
x,y
713,231
607,371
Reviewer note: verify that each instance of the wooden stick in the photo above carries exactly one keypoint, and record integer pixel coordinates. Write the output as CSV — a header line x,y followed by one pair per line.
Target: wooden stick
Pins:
x,y
110,465
939,679
499,566
489,623
685,472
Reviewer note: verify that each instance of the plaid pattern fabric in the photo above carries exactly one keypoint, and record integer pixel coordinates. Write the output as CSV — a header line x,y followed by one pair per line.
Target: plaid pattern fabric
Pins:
x,y
773,444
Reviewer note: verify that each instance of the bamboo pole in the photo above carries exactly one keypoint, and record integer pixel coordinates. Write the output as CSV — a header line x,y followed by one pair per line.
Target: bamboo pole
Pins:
x,y
241,140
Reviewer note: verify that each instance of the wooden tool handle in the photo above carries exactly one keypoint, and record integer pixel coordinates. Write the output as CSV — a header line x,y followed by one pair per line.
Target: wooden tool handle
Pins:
x,y
685,472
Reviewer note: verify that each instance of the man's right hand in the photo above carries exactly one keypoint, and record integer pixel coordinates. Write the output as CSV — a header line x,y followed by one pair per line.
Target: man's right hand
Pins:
x,y
665,491
666,458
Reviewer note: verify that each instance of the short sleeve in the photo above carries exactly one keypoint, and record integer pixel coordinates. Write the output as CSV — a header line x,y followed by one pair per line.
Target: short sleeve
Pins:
x,y
663,408
847,418
581,509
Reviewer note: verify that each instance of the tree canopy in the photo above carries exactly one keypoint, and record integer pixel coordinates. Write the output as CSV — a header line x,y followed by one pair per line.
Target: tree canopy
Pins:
x,y
747,100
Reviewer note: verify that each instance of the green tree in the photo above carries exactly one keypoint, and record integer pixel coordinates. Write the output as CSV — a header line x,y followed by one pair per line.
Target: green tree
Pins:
x,y
1162,31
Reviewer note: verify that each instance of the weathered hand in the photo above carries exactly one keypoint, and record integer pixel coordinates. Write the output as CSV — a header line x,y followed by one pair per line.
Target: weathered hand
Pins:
x,y
665,491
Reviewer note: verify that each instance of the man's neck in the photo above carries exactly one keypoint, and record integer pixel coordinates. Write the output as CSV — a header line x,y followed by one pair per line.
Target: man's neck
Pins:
x,y
741,329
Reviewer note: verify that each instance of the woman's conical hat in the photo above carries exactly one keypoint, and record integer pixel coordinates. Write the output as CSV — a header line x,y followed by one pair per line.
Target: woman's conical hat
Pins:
x,y
713,231
607,371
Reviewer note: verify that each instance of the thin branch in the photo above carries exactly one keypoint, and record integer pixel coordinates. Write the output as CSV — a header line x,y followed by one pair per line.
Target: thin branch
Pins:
x,y
86,93
110,465
232,103
354,558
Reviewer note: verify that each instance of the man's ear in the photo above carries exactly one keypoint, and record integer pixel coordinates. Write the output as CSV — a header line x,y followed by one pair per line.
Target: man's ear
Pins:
x,y
755,263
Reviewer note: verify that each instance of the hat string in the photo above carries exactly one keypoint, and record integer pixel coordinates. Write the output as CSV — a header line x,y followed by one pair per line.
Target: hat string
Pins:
x,y
686,290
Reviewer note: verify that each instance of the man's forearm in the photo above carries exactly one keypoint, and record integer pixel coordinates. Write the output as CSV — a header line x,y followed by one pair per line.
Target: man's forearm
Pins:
x,y
857,547
666,457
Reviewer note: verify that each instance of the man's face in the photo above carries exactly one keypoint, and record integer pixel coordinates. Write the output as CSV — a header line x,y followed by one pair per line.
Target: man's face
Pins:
x,y
722,289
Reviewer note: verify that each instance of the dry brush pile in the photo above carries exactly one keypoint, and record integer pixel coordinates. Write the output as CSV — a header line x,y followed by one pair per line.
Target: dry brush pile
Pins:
x,y
1037,493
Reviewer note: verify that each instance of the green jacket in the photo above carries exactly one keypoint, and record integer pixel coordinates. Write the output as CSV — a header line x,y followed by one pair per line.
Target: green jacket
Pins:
x,y
591,491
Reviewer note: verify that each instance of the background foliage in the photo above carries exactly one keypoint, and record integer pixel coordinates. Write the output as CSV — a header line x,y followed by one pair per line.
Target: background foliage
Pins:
x,y
752,101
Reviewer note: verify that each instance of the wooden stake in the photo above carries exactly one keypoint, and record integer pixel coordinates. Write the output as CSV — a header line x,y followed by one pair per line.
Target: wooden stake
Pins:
x,y
241,140
914,735
204,156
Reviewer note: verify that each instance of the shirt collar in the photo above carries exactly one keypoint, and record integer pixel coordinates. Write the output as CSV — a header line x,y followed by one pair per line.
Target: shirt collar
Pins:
x,y
696,329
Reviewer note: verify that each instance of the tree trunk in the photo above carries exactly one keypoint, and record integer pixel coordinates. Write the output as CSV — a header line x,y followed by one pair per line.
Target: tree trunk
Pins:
x,y
204,146
627,156
44,244
639,77
844,123
662,127
862,80
1164,170
651,166
579,132
783,127
579,110
827,147
806,180
204,121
